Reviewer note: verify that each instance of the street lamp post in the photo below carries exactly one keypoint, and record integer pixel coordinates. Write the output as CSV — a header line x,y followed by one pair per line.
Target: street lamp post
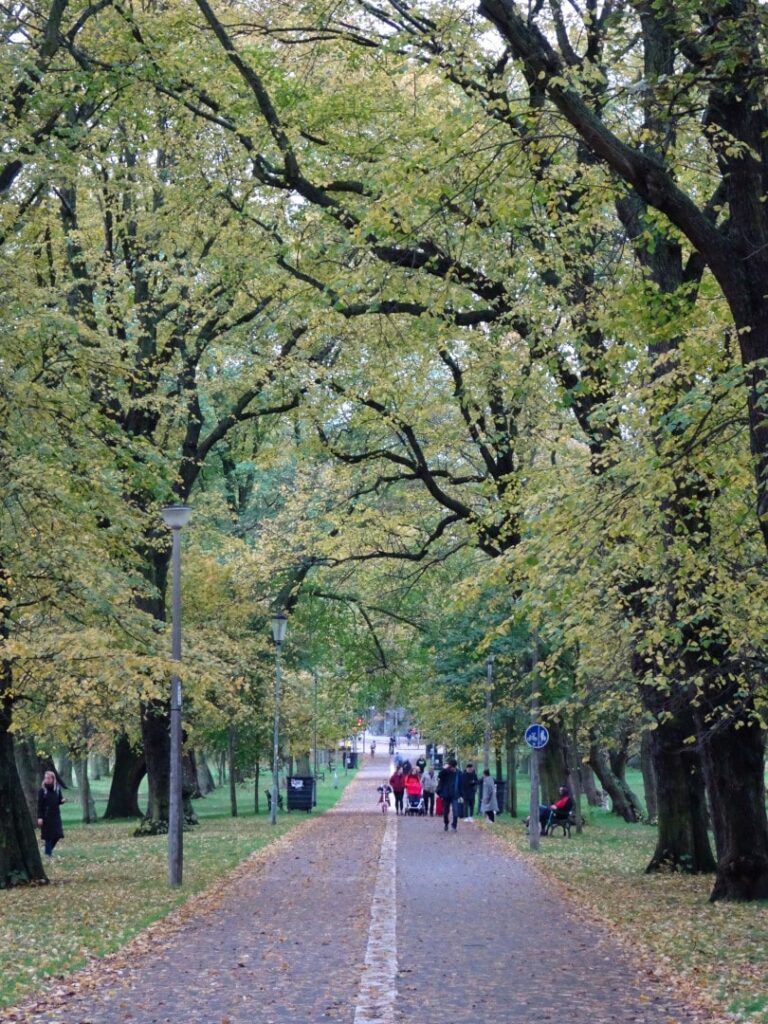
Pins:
x,y
279,626
175,518
488,696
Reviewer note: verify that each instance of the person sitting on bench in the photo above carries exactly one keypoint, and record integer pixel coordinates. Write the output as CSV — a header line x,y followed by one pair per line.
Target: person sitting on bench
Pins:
x,y
561,808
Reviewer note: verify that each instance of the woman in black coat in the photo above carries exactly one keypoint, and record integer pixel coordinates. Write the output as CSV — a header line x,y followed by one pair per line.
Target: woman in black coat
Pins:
x,y
49,799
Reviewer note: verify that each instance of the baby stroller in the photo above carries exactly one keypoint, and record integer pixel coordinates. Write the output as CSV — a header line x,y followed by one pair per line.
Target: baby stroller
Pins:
x,y
415,804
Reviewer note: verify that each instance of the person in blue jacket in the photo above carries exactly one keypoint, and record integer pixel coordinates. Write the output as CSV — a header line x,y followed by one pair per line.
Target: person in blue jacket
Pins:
x,y
449,791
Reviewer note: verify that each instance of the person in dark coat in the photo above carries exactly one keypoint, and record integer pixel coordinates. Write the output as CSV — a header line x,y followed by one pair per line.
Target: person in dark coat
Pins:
x,y
469,784
49,800
449,791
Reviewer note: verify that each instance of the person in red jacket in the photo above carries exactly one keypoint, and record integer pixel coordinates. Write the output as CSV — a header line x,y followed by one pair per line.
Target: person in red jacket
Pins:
x,y
560,808
397,782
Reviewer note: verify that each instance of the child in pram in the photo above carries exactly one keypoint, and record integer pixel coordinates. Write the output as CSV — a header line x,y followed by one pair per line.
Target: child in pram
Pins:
x,y
414,795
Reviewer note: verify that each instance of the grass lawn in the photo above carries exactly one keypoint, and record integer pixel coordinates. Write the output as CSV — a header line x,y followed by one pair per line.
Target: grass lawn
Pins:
x,y
107,885
719,950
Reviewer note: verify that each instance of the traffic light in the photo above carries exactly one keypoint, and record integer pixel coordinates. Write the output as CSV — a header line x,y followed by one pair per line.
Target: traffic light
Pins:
x,y
359,721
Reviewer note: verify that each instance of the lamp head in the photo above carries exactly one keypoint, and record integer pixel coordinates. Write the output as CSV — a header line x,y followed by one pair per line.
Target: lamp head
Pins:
x,y
279,626
176,516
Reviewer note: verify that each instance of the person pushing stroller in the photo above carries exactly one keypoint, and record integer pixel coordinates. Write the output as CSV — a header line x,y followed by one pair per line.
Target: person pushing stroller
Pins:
x,y
414,795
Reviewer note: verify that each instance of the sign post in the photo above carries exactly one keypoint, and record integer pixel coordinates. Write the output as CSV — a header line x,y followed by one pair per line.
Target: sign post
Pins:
x,y
537,737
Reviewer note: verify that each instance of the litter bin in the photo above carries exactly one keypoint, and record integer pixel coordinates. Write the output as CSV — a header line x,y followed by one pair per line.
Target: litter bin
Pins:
x,y
351,761
301,792
501,794
437,761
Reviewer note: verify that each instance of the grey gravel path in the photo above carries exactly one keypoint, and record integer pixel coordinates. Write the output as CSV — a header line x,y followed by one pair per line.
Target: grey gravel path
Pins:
x,y
480,941
485,941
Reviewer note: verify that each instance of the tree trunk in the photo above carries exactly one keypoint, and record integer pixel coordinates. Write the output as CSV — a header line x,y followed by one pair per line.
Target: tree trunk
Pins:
x,y
511,749
649,778
20,859
594,799
682,842
128,771
232,774
189,788
155,714
734,764
26,766
64,768
155,724
600,764
190,784
94,766
205,783
618,759
302,763
87,806
573,765
553,766
256,787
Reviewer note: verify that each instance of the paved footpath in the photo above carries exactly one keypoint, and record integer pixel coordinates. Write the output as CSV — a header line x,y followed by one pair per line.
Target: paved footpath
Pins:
x,y
365,918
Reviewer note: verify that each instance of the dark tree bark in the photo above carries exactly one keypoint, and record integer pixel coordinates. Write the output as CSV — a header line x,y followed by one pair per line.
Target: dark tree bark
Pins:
x,y
87,806
190,775
157,755
20,859
511,750
256,809
232,772
594,799
734,773
205,783
574,773
553,766
129,769
65,768
617,755
649,777
600,764
29,775
682,839
189,790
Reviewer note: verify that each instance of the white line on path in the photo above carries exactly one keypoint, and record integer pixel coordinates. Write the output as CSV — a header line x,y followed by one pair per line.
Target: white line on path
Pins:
x,y
376,997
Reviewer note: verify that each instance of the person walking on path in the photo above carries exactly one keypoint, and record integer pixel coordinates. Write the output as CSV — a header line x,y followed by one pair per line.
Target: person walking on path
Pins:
x,y
489,805
49,800
429,788
397,782
469,784
449,791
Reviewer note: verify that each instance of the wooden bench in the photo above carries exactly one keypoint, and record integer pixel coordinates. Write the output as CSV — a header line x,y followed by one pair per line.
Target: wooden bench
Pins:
x,y
565,823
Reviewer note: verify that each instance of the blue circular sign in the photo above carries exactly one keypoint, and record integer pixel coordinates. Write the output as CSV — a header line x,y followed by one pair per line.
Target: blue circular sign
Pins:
x,y
537,736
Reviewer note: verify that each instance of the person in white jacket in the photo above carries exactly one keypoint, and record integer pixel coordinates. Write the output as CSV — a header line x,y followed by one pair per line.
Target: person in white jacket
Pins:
x,y
488,802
